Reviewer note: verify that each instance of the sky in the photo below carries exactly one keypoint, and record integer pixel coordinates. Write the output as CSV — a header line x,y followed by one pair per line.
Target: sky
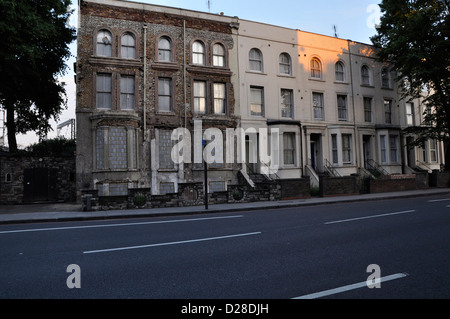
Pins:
x,y
353,19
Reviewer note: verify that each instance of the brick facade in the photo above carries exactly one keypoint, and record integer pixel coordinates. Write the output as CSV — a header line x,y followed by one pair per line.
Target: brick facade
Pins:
x,y
132,145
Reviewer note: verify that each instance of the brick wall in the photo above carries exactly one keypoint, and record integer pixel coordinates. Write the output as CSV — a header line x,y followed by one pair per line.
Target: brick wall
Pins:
x,y
295,188
440,179
399,183
335,186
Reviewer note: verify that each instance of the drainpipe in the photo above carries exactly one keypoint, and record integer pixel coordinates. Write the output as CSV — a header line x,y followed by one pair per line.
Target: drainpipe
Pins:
x,y
144,104
184,73
357,137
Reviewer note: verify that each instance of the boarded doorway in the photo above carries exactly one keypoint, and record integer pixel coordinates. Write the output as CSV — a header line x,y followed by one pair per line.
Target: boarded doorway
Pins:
x,y
39,185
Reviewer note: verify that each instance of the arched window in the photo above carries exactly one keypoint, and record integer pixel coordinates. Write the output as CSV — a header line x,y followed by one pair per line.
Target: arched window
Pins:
x,y
385,78
340,73
316,68
104,43
256,60
365,75
165,49
198,53
218,55
128,50
285,64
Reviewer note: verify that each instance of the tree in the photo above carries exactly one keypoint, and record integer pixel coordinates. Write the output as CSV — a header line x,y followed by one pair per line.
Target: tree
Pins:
x,y
413,36
35,39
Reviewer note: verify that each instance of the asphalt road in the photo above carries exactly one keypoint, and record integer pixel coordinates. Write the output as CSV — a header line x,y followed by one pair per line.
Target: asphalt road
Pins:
x,y
311,252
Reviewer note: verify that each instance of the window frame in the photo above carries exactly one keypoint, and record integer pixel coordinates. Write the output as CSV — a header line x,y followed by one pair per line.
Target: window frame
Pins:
x,y
110,44
347,149
410,118
383,149
433,145
122,45
252,102
169,95
385,78
393,148
196,98
291,150
366,79
334,149
290,92
197,54
336,71
259,60
366,110
342,109
387,106
129,95
321,107
285,65
102,92
216,56
223,99
314,70
160,50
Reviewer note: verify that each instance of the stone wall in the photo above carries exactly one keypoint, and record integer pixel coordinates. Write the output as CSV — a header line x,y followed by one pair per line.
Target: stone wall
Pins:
x,y
12,180
189,194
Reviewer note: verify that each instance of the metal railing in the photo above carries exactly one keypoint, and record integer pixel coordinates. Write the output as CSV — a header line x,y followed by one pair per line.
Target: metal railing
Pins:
x,y
271,174
330,168
376,168
424,166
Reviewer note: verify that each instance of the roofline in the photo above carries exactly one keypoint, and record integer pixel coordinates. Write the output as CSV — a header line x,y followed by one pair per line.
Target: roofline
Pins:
x,y
165,9
206,15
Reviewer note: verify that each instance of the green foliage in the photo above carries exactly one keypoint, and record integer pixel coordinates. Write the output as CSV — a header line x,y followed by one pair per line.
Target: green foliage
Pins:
x,y
58,146
139,199
314,191
35,45
414,37
238,194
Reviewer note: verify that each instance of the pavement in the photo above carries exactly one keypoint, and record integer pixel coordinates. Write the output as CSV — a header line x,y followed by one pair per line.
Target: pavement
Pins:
x,y
48,212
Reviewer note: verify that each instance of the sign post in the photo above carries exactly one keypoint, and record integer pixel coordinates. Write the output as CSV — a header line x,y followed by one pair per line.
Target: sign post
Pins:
x,y
205,170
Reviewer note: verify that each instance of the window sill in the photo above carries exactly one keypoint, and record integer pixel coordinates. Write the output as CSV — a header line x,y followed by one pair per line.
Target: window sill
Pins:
x,y
316,79
167,170
341,82
367,86
168,113
203,69
289,76
255,72
102,60
165,66
289,167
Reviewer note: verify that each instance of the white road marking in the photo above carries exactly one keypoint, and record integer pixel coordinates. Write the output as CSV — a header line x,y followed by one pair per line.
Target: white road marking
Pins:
x,y
438,200
351,287
117,225
367,217
170,243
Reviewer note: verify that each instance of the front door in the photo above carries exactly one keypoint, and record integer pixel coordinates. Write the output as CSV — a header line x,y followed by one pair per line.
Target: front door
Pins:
x,y
251,153
313,155
411,160
367,149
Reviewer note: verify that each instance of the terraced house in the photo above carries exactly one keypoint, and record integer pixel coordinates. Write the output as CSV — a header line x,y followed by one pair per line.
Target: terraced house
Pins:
x,y
145,70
